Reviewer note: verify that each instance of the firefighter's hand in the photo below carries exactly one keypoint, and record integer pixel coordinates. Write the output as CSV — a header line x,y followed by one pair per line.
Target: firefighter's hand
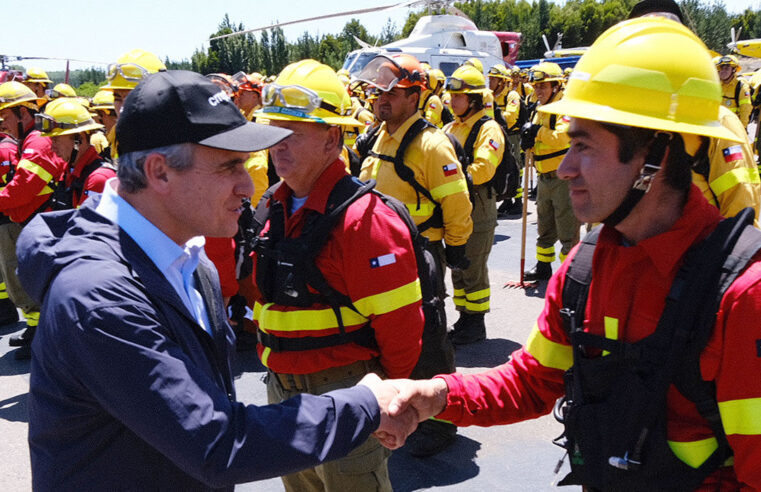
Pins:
x,y
528,135
427,398
455,256
392,431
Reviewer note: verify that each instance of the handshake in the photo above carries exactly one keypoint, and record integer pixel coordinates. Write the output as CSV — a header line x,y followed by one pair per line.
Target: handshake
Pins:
x,y
403,404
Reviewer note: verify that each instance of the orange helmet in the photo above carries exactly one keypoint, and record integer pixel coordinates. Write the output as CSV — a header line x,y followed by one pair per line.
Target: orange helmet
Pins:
x,y
386,72
248,82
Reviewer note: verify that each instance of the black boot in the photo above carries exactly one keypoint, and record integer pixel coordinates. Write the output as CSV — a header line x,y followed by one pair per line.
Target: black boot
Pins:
x,y
23,339
457,326
23,353
431,437
504,207
8,312
472,330
516,208
541,271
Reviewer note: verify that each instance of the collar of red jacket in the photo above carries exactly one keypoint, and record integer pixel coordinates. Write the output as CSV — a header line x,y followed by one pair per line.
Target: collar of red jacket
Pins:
x,y
318,197
665,250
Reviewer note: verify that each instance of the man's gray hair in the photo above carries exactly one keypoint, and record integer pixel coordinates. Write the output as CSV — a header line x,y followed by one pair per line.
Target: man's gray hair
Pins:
x,y
131,173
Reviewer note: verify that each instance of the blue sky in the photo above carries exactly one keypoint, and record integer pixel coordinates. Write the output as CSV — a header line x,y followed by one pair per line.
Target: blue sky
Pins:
x,y
104,29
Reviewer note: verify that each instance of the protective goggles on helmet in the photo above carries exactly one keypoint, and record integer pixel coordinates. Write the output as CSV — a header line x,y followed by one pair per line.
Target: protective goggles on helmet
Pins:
x,y
454,84
725,60
224,82
243,82
129,71
495,72
541,76
295,100
54,94
385,74
46,123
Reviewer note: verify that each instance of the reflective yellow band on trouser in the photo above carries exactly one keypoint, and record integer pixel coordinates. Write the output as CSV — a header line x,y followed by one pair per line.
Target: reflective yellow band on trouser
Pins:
x,y
734,177
451,188
546,255
271,320
32,318
35,169
3,291
486,155
741,416
459,297
425,209
548,353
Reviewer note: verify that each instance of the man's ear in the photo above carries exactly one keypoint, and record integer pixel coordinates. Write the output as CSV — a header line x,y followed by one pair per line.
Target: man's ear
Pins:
x,y
156,172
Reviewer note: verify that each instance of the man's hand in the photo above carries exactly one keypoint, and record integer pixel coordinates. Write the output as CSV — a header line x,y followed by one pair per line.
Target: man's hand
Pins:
x,y
427,397
393,431
455,257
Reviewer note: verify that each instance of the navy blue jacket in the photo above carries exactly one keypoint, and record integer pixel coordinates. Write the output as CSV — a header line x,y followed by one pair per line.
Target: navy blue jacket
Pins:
x,y
127,391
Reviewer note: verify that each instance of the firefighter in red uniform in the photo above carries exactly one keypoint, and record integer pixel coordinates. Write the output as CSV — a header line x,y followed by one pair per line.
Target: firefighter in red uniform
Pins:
x,y
69,125
368,259
29,192
8,161
629,167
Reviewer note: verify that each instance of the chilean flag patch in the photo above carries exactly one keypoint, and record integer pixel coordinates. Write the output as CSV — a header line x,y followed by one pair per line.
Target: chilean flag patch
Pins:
x,y
450,169
383,260
432,105
494,145
733,153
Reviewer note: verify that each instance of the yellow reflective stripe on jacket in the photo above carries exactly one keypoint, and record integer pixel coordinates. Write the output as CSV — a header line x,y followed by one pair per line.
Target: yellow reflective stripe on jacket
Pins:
x,y
33,168
548,353
734,177
450,188
486,155
741,416
694,453
611,330
270,320
425,209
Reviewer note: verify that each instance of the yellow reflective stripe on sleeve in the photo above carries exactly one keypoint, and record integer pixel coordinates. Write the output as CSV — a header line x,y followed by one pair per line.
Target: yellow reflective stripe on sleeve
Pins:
x,y
45,191
425,210
733,177
486,155
458,186
611,330
694,453
548,353
265,356
741,416
391,300
478,295
35,169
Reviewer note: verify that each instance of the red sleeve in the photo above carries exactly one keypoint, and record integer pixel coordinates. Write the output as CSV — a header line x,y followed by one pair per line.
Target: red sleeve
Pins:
x,y
27,185
380,271
96,181
221,251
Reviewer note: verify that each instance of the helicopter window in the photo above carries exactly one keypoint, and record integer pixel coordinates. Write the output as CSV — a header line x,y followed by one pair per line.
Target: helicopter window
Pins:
x,y
448,67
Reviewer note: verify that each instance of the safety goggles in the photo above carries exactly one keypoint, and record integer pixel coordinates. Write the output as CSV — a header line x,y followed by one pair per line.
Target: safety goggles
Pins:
x,y
494,72
297,98
243,82
725,60
223,82
539,76
54,94
129,71
45,123
382,72
454,84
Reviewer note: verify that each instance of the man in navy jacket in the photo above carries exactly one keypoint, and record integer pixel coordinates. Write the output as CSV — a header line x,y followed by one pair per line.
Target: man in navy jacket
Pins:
x,y
131,380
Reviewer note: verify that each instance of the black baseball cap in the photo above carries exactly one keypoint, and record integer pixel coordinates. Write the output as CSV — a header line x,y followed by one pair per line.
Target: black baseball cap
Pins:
x,y
652,6
179,106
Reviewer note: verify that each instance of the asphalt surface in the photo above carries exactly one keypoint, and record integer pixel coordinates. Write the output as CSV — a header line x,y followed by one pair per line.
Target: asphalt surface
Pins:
x,y
518,457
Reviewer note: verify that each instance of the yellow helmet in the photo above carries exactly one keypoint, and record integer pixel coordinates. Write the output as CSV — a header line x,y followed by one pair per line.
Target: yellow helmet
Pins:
x,y
38,75
130,69
467,79
425,66
65,116
499,71
647,72
515,71
102,100
546,72
13,94
730,60
308,90
62,90
474,62
435,78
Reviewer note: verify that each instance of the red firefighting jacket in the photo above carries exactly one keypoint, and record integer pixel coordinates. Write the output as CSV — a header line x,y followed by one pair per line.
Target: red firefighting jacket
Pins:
x,y
95,182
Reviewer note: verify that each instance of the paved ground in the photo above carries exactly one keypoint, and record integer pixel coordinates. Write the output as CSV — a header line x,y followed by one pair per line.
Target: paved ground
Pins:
x,y
514,458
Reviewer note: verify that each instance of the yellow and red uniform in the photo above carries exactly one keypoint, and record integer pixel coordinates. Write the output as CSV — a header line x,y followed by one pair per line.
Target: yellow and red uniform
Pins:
x,y
387,296
30,188
94,182
626,298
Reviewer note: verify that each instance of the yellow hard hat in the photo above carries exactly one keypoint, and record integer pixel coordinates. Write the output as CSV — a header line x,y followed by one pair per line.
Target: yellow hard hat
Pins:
x,y
38,75
130,69
546,72
730,60
62,90
65,116
435,78
647,72
515,71
308,90
499,71
425,66
467,79
474,62
13,94
102,100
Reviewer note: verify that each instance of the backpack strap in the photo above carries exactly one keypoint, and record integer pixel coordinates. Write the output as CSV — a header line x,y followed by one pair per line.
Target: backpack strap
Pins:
x,y
738,86
470,142
407,175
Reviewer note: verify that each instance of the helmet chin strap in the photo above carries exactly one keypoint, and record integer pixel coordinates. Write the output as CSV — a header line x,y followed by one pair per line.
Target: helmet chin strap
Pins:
x,y
74,151
644,180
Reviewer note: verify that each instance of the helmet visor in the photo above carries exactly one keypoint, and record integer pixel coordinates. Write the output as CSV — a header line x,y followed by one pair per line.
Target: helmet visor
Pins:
x,y
129,71
455,84
46,123
381,72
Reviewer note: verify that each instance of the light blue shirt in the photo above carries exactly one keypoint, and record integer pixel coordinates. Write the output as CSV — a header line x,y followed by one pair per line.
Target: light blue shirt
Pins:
x,y
176,263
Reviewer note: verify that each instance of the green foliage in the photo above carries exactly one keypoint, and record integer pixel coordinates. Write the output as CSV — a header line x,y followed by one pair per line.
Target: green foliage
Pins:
x,y
87,89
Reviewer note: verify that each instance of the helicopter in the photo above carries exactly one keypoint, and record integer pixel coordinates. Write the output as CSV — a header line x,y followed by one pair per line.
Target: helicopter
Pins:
x,y
746,47
443,41
557,51
7,74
